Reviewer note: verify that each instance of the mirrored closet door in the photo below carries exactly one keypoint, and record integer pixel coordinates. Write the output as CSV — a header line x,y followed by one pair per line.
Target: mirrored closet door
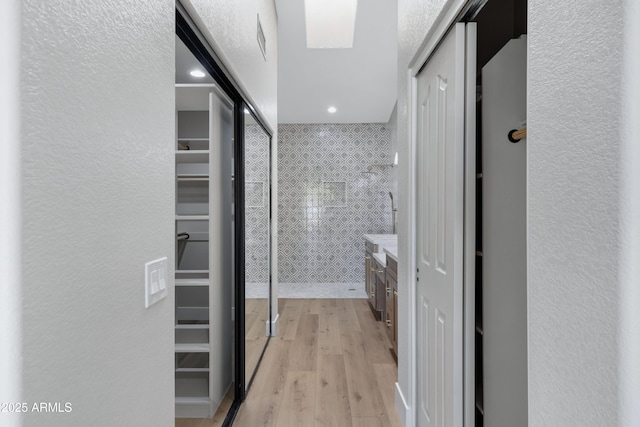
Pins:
x,y
223,234
204,285
257,192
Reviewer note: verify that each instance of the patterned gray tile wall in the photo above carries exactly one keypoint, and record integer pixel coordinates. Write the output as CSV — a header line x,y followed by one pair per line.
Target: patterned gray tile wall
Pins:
x,y
319,237
257,205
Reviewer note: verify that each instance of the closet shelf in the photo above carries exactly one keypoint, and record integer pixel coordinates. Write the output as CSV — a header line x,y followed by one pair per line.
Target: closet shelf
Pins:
x,y
193,178
191,390
182,275
191,282
196,236
192,217
192,156
192,369
193,348
192,400
191,272
193,326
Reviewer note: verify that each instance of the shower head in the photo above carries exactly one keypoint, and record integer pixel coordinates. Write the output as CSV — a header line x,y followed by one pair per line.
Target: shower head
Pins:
x,y
391,195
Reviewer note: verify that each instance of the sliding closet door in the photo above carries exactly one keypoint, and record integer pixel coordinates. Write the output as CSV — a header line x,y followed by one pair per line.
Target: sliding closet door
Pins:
x,y
440,221
233,276
257,240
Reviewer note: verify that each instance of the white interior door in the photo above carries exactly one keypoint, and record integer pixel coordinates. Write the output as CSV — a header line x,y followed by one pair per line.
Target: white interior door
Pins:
x,y
440,225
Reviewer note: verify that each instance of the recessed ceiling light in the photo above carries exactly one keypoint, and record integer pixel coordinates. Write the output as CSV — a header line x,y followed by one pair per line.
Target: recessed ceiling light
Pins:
x,y
332,110
197,73
330,23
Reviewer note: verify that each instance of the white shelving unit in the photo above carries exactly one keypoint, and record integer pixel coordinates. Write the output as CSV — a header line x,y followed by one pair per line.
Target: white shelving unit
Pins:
x,y
192,281
203,285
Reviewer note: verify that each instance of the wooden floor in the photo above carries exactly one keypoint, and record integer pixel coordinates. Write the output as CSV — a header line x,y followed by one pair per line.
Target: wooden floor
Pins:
x,y
330,365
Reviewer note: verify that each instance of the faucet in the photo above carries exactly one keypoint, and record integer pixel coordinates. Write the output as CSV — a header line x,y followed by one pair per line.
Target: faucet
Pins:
x,y
393,214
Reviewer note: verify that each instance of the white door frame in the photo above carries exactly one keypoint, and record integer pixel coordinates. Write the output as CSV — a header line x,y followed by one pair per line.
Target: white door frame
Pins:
x,y
449,15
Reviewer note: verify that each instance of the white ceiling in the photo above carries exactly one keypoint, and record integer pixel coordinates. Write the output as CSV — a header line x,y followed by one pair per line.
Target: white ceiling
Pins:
x,y
360,82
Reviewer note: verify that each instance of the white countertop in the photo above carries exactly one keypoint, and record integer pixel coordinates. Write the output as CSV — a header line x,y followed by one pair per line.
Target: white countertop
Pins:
x,y
377,239
381,259
392,252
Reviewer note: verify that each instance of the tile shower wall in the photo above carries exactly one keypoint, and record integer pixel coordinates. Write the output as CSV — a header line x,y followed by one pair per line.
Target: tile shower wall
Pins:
x,y
326,202
257,205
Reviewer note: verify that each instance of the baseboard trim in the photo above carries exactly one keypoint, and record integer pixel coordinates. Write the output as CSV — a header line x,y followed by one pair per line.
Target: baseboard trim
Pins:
x,y
274,326
404,411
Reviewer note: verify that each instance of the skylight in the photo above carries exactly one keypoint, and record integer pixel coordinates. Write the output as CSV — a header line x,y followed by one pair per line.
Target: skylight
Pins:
x,y
330,23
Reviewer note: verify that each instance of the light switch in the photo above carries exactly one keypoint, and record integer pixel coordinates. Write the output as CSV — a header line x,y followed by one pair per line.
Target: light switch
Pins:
x,y
155,281
155,286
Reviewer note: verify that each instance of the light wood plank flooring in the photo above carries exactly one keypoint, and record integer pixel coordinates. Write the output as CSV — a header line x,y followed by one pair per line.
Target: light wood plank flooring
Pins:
x,y
330,365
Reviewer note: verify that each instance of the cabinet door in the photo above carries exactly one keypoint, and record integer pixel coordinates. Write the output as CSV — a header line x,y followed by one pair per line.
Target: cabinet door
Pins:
x,y
367,273
395,318
390,312
373,283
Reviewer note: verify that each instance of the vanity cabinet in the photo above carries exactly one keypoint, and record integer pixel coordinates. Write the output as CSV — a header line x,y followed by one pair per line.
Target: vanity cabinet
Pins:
x,y
377,298
370,279
375,271
391,314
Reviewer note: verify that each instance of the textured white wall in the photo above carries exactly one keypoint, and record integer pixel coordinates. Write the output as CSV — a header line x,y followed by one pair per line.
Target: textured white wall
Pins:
x,y
98,177
230,27
10,223
573,146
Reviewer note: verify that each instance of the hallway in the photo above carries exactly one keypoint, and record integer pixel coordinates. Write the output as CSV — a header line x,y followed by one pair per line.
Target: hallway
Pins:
x,y
330,365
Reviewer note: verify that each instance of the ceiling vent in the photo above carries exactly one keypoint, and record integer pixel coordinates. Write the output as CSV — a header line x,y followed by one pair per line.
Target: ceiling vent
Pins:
x,y
262,41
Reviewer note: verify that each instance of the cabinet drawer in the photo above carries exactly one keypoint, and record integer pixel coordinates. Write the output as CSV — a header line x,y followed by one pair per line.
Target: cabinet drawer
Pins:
x,y
389,320
371,247
392,268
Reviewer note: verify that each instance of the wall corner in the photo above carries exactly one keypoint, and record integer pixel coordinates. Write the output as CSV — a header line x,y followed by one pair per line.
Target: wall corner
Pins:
x,y
10,212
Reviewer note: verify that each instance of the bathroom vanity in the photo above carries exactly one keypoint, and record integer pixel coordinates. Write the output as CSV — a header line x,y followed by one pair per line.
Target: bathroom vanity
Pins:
x,y
391,293
375,270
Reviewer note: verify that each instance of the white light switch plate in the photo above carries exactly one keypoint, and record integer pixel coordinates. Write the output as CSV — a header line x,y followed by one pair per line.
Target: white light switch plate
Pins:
x,y
155,281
